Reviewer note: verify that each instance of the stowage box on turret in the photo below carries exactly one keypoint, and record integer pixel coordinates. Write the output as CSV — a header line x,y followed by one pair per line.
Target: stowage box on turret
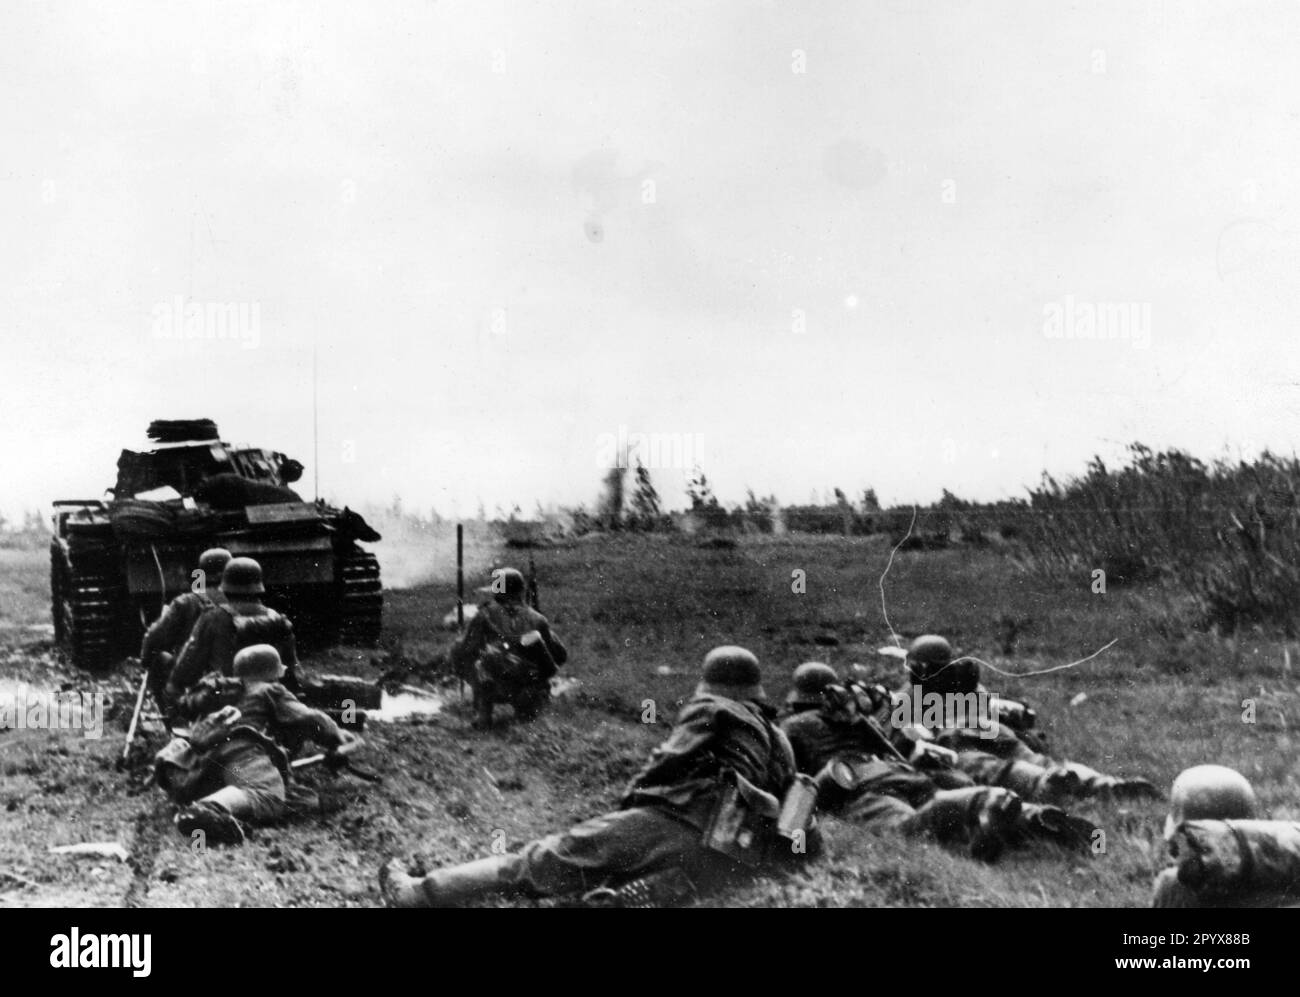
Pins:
x,y
114,563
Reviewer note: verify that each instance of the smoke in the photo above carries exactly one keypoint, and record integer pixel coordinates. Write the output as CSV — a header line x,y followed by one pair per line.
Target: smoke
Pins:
x,y
416,552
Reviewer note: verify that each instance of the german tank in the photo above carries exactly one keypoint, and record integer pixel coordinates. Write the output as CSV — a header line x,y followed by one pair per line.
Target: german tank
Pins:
x,y
115,562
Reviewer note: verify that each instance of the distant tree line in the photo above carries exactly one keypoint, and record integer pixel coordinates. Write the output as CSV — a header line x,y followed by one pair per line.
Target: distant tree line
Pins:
x,y
32,532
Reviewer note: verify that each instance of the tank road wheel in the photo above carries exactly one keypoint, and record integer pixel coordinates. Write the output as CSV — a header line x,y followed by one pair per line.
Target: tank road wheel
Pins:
x,y
361,598
87,608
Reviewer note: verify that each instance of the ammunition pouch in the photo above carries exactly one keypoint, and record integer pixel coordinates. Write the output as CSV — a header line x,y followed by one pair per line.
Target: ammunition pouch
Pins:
x,y
743,825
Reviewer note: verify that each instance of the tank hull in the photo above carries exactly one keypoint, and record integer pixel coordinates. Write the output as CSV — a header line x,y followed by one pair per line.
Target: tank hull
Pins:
x,y
111,574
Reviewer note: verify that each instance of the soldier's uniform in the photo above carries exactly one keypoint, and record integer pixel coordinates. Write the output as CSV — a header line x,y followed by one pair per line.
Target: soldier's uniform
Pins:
x,y
1233,863
168,634
238,769
999,755
724,740
1225,856
222,631
861,777
508,653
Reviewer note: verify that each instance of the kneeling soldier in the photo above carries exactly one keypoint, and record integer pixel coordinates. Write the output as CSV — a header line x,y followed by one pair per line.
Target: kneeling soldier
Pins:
x,y
233,769
706,803
168,634
241,621
509,653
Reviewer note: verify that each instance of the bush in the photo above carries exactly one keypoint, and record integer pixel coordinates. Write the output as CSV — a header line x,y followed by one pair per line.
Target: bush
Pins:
x,y
1226,533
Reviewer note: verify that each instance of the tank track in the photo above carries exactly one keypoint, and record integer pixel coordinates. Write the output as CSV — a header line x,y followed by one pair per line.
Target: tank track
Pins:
x,y
87,598
361,597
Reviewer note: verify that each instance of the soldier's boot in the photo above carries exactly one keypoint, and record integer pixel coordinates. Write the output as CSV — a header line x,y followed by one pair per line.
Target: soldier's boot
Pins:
x,y
445,887
530,703
216,817
984,816
1094,783
666,888
482,708
1052,824
159,670
1038,782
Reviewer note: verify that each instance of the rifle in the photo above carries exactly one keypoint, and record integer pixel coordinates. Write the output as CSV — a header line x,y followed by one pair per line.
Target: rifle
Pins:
x,y
338,760
460,597
533,598
841,698
135,718
139,703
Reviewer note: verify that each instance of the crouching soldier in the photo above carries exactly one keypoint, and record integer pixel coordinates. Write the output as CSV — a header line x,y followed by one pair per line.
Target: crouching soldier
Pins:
x,y
707,803
999,749
241,621
862,776
232,769
509,652
168,634
1225,855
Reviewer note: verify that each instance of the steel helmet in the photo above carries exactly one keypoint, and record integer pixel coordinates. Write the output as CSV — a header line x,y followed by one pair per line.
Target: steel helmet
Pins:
x,y
732,672
810,679
507,584
930,665
243,576
1210,792
260,662
212,563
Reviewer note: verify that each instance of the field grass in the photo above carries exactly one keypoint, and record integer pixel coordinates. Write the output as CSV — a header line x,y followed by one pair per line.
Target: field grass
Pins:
x,y
638,613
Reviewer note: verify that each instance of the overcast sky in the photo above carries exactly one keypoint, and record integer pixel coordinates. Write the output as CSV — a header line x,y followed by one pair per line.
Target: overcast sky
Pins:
x,y
824,242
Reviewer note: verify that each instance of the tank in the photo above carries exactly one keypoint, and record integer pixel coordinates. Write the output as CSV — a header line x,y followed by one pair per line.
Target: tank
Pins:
x,y
115,562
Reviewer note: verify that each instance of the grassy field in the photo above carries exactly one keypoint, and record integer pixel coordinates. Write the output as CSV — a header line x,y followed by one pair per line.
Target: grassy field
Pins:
x,y
638,613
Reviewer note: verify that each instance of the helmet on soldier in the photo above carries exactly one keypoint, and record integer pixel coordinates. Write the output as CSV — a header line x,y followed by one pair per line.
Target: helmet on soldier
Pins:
x,y
259,662
732,672
928,657
1210,792
810,679
243,576
507,585
212,562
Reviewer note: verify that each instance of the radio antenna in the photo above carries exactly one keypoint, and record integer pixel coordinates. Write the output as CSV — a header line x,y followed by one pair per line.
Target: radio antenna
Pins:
x,y
315,427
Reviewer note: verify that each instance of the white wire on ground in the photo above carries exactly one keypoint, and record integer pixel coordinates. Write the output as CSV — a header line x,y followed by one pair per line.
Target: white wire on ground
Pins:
x,y
883,610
